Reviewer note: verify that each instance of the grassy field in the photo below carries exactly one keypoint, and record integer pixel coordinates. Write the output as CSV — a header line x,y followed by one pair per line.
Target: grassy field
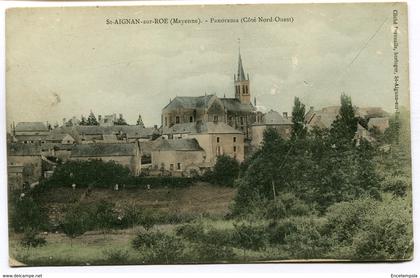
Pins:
x,y
207,203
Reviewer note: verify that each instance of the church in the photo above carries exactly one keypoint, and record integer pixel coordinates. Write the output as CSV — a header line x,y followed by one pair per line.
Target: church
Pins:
x,y
237,112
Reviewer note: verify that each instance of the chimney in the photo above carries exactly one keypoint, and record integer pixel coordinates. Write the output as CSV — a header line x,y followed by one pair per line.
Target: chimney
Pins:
x,y
155,127
255,101
285,115
99,118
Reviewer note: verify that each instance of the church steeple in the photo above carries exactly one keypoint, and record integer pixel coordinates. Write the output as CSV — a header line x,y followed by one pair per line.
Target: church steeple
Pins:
x,y
242,92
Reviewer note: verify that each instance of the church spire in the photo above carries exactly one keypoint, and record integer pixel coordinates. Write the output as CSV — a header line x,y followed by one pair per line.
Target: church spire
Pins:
x,y
241,72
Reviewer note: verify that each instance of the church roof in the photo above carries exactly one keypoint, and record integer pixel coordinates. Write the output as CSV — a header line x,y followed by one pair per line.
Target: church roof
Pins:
x,y
201,127
190,102
234,105
178,145
241,73
100,150
274,118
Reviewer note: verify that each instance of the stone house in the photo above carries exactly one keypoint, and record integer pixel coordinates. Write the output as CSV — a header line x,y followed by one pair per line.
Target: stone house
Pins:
x,y
30,132
126,154
216,138
178,156
271,119
24,160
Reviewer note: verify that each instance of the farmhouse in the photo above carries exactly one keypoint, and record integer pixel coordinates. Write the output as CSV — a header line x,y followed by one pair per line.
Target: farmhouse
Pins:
x,y
24,163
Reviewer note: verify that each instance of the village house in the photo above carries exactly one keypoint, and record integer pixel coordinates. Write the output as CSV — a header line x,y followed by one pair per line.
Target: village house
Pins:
x,y
271,119
238,112
178,157
126,154
216,138
24,163
30,132
325,117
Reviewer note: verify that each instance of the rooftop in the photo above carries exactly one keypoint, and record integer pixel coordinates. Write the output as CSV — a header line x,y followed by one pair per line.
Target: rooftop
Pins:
x,y
100,150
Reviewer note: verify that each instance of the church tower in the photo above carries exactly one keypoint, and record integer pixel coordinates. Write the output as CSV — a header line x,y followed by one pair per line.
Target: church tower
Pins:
x,y
242,92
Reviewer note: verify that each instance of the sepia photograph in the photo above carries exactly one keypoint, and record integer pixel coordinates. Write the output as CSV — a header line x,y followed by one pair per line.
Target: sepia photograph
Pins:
x,y
208,134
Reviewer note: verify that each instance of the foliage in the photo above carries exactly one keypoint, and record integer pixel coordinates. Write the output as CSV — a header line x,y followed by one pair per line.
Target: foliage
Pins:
x,y
248,236
147,220
120,121
191,231
298,120
115,256
31,238
225,171
160,247
211,252
27,213
104,215
91,120
307,240
76,221
96,173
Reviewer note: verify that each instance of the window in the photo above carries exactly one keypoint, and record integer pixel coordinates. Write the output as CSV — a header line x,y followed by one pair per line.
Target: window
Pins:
x,y
215,118
177,119
218,139
171,167
218,152
166,121
191,119
234,139
234,149
178,166
242,120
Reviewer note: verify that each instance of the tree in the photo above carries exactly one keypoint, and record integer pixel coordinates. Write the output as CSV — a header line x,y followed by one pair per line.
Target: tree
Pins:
x,y
120,121
83,120
27,213
105,216
92,119
140,121
345,125
247,236
226,170
298,120
75,222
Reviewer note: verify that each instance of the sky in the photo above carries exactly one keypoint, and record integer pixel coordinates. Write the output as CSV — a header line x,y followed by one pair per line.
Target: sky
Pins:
x,y
64,62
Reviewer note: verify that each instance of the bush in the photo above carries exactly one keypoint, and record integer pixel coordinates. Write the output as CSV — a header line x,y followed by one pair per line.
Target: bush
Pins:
x,y
225,171
32,239
192,232
206,252
144,240
307,241
116,256
247,236
96,173
76,221
278,230
27,214
159,247
395,185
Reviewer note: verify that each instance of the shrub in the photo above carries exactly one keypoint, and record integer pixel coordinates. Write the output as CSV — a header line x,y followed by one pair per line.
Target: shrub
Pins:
x,y
278,230
161,248
116,256
247,236
95,173
395,185
76,222
307,241
27,213
225,171
192,232
32,239
206,252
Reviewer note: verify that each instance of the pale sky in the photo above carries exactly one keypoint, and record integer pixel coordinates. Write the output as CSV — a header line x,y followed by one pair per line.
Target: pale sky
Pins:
x,y
64,62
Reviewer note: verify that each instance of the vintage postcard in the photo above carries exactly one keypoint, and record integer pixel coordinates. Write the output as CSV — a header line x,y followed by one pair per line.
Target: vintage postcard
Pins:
x,y
208,134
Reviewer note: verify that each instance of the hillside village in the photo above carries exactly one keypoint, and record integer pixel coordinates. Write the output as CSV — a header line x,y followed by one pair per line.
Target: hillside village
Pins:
x,y
193,132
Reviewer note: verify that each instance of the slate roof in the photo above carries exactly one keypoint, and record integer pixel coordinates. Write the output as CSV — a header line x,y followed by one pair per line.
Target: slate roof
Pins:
x,y
146,147
132,131
30,126
234,105
189,102
201,127
56,136
241,72
178,145
274,118
20,137
19,149
100,150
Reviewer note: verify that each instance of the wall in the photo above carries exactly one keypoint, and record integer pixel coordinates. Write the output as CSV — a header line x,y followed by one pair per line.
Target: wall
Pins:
x,y
32,166
187,160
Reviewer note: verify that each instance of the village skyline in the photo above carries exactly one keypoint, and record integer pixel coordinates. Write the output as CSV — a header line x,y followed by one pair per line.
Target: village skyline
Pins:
x,y
84,71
